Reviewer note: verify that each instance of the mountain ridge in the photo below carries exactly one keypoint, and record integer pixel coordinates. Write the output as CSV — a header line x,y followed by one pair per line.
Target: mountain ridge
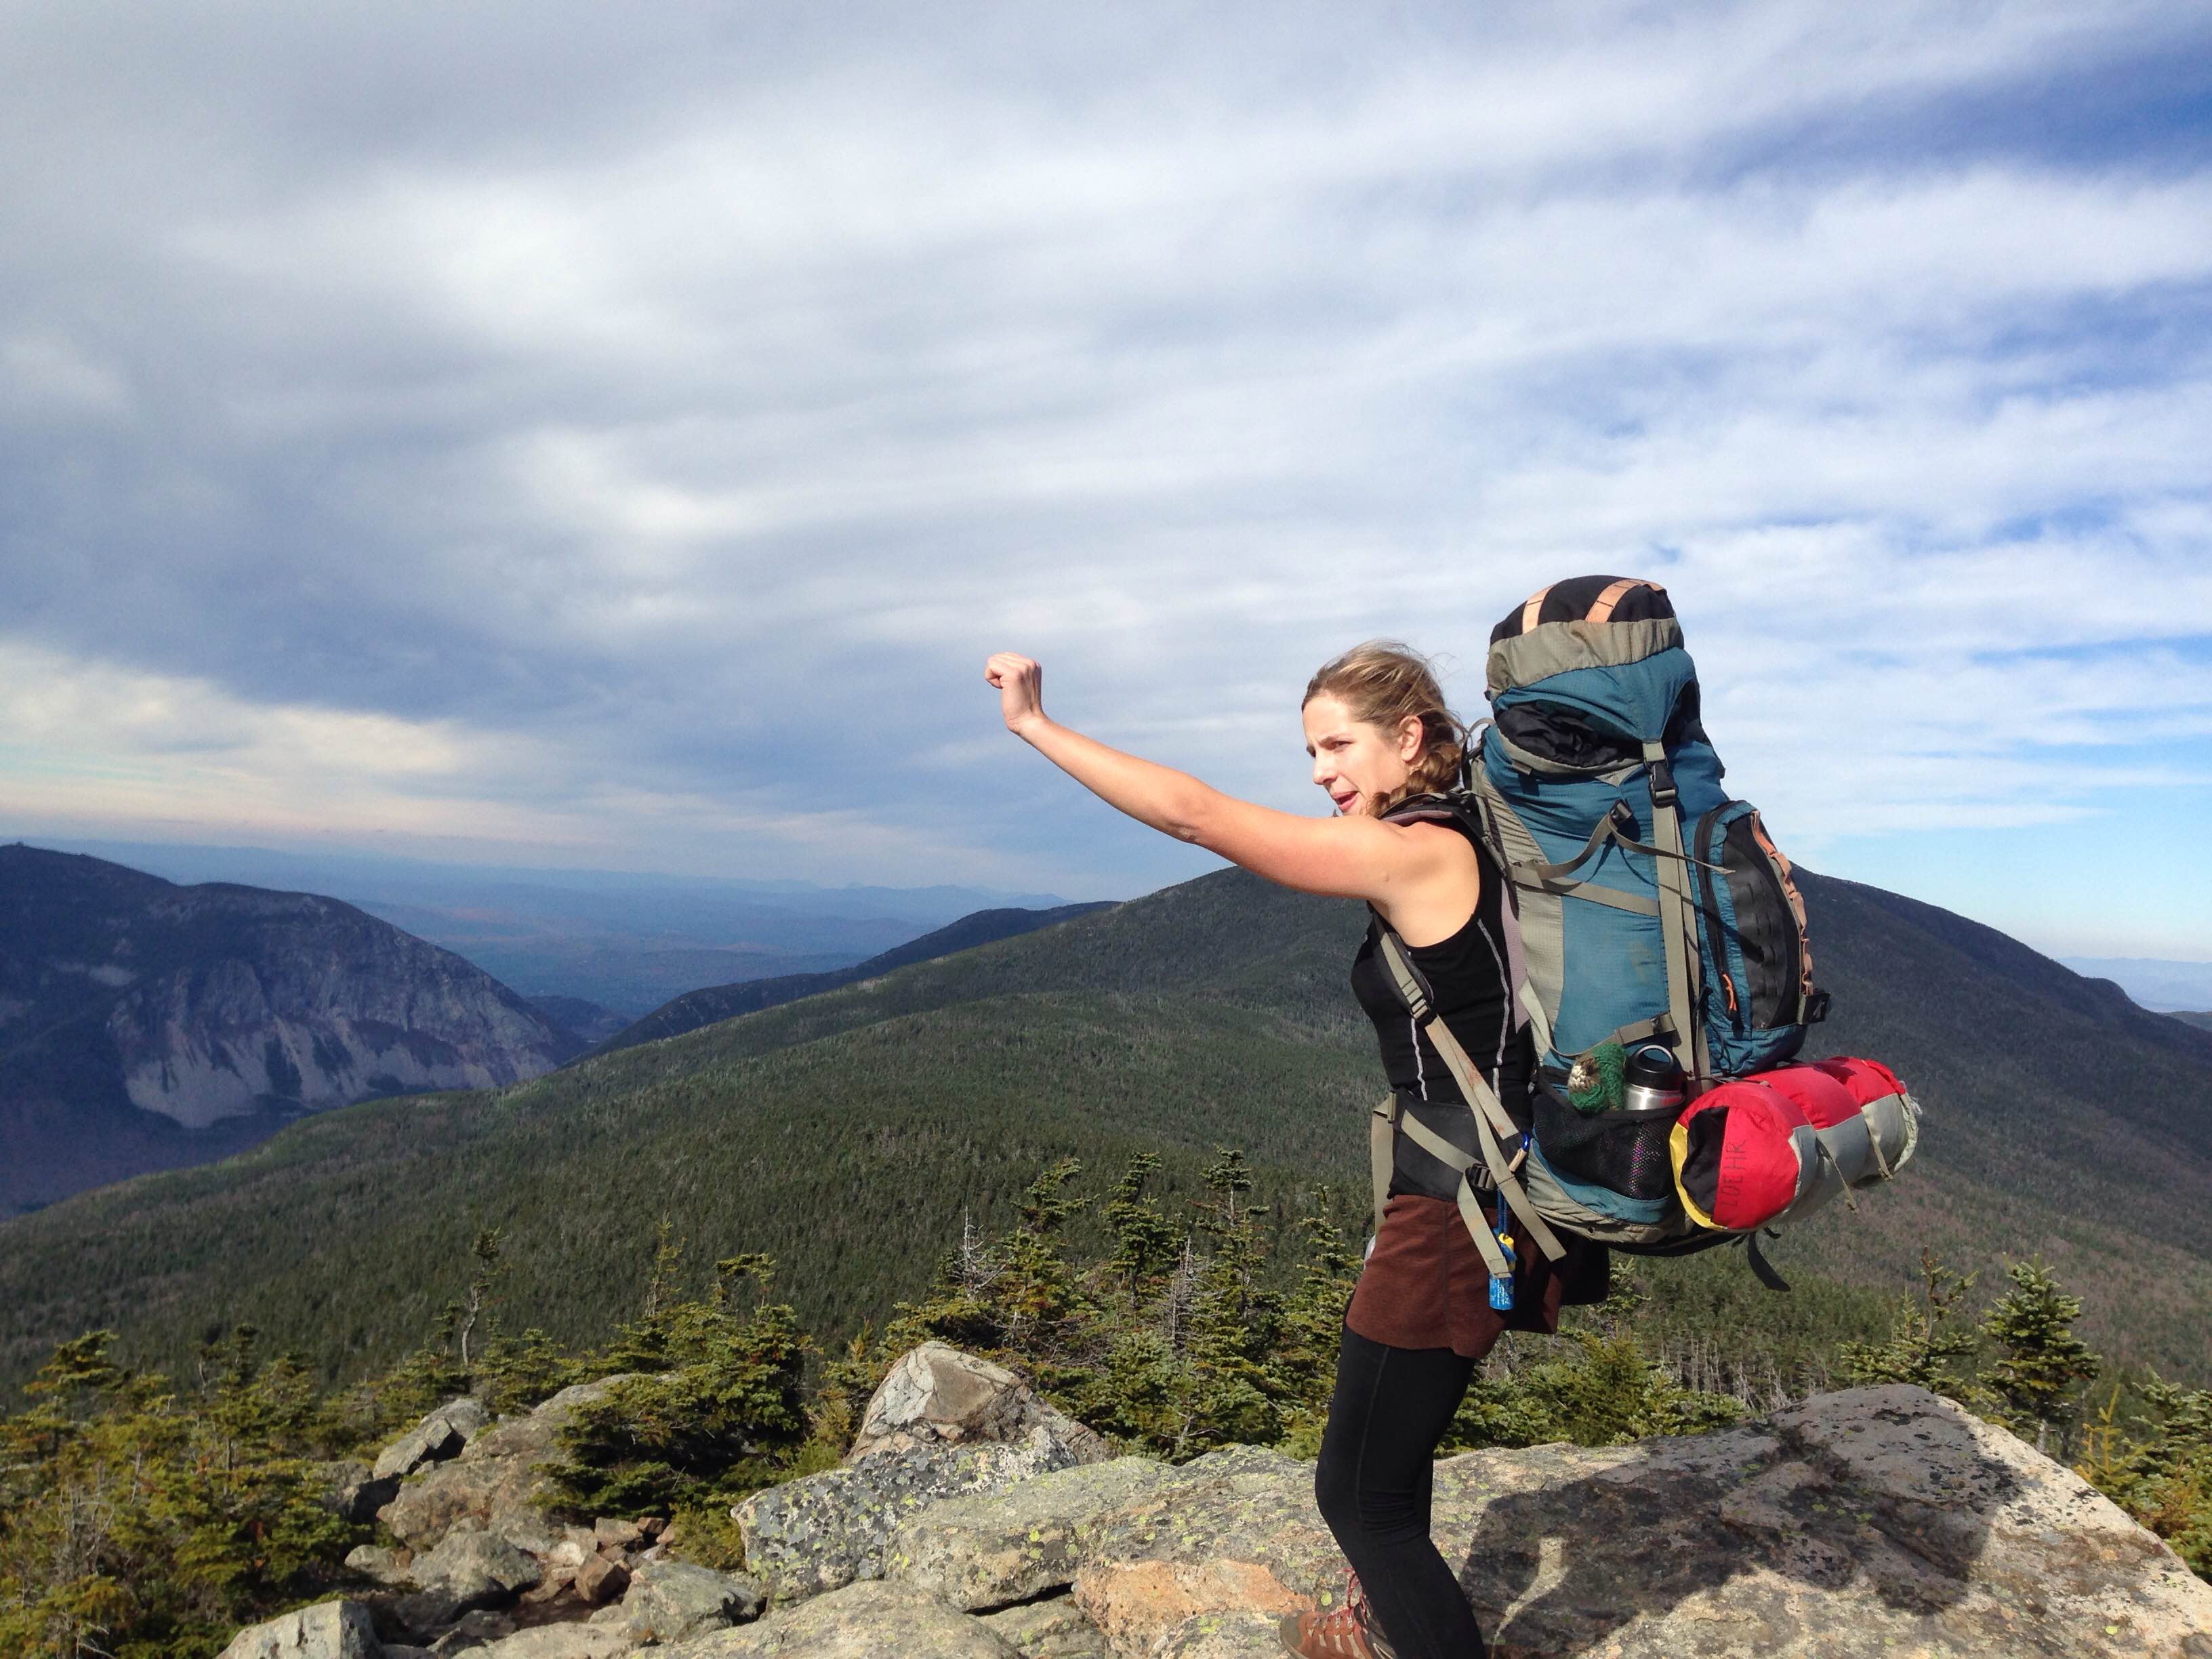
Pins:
x,y
132,1009
847,1133
714,1003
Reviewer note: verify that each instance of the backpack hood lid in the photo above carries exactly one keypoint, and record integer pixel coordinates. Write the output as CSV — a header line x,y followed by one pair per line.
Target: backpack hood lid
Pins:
x,y
1554,649
1636,701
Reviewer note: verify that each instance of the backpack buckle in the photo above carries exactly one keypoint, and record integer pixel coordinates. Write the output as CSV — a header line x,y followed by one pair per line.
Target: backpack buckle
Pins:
x,y
1662,784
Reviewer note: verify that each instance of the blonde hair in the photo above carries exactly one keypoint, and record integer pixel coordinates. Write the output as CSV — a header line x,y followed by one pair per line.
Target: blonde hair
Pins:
x,y
1384,683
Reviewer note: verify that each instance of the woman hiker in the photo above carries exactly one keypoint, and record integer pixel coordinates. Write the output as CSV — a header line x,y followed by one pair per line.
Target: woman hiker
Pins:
x,y
1420,1319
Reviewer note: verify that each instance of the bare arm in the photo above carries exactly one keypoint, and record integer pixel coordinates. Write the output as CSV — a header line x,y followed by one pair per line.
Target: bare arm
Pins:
x,y
1397,867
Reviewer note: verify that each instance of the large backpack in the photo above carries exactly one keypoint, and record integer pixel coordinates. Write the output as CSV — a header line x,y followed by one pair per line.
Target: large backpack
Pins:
x,y
1652,910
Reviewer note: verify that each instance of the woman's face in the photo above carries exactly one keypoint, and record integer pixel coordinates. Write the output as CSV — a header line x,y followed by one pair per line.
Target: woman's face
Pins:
x,y
1357,762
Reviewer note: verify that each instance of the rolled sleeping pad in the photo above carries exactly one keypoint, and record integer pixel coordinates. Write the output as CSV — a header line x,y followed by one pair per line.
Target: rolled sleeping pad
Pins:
x,y
1744,1153
1865,1120
1892,1114
1846,1141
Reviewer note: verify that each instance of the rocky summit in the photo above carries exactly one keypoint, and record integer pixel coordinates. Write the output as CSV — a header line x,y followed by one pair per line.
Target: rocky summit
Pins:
x,y
974,1520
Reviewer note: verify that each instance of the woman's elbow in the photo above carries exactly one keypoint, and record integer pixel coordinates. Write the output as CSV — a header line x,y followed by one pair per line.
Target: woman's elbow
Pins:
x,y
1194,820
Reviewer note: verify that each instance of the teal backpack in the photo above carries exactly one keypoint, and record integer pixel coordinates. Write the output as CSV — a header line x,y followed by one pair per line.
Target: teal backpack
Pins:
x,y
1652,909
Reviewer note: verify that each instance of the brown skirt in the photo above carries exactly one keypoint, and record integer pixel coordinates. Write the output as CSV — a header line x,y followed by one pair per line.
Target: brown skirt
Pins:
x,y
1424,1284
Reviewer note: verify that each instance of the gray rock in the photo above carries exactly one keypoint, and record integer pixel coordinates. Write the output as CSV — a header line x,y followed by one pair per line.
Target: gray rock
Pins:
x,y
557,1583
421,1615
671,1600
574,1545
374,1561
986,1552
935,1395
1877,1522
528,1530
815,1534
477,1569
471,1633
621,1534
495,1476
440,1435
1054,1629
357,1494
329,1630
874,1621
601,1580
560,1642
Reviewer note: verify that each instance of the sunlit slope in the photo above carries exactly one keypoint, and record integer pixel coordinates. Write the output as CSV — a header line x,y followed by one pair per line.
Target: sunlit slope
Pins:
x,y
850,1158
846,1133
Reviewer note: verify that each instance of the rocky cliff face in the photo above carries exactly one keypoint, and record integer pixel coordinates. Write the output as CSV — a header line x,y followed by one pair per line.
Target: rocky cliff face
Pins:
x,y
122,993
971,1521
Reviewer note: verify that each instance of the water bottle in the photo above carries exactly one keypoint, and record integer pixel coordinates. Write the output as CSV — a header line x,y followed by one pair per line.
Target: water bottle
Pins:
x,y
1652,1081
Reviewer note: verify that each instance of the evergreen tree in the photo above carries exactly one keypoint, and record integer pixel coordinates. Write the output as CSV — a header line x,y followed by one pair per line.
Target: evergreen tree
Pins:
x,y
2159,1467
2042,1367
720,1419
1924,1345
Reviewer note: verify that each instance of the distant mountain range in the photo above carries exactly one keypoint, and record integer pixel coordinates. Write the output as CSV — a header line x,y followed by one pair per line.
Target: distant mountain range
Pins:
x,y
718,1002
849,1132
626,941
133,1011
2163,987
585,1021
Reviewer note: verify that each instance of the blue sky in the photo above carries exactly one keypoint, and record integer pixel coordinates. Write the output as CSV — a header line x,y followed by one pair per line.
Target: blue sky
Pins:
x,y
542,434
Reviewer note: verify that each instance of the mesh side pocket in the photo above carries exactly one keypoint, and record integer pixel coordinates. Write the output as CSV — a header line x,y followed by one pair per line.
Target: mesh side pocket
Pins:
x,y
1625,1151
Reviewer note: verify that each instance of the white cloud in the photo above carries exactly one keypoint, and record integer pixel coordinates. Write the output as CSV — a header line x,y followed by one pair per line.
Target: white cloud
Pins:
x,y
674,425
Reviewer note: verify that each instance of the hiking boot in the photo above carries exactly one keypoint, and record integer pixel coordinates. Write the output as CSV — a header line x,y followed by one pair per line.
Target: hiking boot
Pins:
x,y
1346,1632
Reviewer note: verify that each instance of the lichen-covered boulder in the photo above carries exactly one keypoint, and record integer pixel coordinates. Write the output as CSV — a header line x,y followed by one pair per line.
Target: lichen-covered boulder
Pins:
x,y
673,1601
825,1530
495,1478
985,1552
1052,1629
867,1620
440,1435
329,1630
936,1395
1236,1536
1859,1525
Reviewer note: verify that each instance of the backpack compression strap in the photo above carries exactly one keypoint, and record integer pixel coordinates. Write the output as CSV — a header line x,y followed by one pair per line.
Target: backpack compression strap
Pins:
x,y
1491,1119
1677,926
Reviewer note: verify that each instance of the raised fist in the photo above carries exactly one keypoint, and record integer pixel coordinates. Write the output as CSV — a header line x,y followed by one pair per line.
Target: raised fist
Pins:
x,y
1020,683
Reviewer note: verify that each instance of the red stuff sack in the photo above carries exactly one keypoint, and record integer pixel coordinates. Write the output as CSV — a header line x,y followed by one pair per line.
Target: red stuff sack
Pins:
x,y
1778,1145
1744,1153
1819,1093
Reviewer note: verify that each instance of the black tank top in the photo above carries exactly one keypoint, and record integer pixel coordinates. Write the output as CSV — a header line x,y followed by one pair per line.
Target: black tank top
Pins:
x,y
1470,980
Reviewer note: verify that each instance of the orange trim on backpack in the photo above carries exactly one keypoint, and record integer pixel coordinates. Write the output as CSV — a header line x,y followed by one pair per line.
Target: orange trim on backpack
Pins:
x,y
1602,610
1529,610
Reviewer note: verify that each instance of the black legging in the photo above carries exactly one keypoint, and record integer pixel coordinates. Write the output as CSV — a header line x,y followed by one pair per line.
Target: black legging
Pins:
x,y
1374,1484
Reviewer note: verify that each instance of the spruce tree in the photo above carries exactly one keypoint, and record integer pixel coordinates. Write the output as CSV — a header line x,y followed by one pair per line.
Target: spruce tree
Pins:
x,y
1924,1344
2042,1367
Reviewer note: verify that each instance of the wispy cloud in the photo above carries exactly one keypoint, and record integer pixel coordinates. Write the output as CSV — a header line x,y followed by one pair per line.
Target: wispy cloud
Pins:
x,y
669,418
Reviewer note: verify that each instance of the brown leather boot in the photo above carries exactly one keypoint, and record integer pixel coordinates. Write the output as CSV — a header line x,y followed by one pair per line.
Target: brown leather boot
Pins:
x,y
1346,1632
